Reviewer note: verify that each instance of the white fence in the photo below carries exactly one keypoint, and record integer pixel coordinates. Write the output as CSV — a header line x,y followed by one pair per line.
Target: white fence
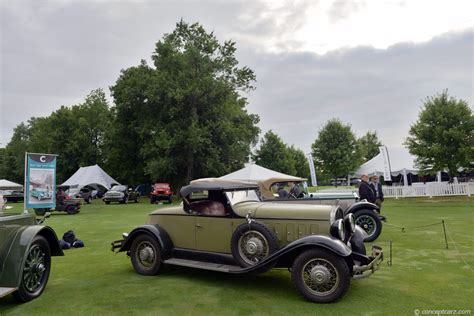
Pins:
x,y
429,189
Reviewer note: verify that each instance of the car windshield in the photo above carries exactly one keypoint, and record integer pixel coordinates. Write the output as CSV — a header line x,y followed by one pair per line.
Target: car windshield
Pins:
x,y
236,197
72,192
162,186
119,188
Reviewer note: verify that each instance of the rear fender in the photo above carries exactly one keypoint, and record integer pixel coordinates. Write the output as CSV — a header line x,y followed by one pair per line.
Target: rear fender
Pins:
x,y
17,252
153,230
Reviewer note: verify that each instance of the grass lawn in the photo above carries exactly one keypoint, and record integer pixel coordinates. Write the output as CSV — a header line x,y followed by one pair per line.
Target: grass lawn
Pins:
x,y
95,281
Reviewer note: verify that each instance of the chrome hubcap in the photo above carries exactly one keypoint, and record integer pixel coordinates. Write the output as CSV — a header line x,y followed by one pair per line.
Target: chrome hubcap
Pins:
x,y
320,277
253,247
146,254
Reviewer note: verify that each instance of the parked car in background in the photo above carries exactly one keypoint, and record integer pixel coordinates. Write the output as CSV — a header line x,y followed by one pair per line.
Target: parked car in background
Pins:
x,y
12,195
85,193
25,256
122,194
64,203
366,214
224,226
161,192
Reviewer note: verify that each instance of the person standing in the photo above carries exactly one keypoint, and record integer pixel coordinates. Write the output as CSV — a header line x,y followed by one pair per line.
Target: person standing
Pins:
x,y
377,188
365,190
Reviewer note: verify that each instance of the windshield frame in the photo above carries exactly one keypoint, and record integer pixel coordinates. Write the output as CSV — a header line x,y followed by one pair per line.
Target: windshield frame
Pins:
x,y
232,196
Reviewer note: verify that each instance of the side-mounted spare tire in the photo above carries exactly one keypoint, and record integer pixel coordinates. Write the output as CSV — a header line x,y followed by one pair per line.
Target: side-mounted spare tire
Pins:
x,y
251,243
369,221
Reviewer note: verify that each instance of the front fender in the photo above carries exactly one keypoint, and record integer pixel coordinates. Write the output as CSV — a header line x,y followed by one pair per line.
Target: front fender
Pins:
x,y
363,205
18,250
286,255
154,230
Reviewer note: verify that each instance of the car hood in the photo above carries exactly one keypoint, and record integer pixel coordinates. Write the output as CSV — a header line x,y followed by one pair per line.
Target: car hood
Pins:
x,y
285,211
113,192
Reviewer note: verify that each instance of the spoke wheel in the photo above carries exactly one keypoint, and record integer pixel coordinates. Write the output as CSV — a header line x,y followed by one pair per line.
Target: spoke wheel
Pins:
x,y
146,256
370,222
253,247
35,271
320,276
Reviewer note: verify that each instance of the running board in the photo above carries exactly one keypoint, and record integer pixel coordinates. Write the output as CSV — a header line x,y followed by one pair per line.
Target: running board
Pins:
x,y
203,265
4,291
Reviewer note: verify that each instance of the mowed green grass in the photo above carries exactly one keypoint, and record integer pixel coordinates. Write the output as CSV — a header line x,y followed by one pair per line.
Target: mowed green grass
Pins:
x,y
95,281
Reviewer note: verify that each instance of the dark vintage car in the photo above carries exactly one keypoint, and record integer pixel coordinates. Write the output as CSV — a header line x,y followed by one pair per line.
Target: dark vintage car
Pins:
x,y
26,248
122,194
84,193
367,215
64,203
161,192
12,195
224,226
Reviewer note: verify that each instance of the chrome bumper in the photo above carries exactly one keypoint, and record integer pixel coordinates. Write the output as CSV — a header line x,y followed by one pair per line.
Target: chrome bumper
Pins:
x,y
363,271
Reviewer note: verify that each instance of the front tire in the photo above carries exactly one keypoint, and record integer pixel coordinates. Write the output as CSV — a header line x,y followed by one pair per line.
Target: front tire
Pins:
x,y
146,255
369,221
107,202
320,276
40,211
71,209
35,270
252,243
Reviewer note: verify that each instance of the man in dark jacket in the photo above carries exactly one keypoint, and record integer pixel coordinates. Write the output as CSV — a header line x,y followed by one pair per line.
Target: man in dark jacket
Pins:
x,y
365,191
377,188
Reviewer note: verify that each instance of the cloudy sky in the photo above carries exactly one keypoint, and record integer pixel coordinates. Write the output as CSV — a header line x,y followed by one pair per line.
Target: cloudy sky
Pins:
x,y
369,63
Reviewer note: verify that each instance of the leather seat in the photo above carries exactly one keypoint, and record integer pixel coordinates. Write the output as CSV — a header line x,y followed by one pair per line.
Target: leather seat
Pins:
x,y
208,208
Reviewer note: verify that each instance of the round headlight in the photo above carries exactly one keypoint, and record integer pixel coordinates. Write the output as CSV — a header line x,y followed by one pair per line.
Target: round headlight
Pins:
x,y
337,229
342,230
350,222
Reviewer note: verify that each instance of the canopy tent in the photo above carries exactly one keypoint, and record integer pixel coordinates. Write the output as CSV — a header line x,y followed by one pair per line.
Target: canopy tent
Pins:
x,y
401,162
255,173
91,176
9,185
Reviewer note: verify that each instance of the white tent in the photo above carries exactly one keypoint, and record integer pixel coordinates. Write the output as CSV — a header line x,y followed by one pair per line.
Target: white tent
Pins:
x,y
253,172
91,175
8,185
401,162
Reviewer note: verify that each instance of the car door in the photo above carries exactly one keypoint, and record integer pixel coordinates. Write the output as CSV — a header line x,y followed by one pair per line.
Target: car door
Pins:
x,y
213,233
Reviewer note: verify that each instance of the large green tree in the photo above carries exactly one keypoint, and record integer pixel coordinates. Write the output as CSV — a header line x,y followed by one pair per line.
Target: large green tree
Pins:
x,y
74,133
369,145
443,136
274,154
335,150
185,114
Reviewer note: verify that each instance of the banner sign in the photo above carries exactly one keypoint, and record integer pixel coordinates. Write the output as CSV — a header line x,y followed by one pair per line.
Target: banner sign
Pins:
x,y
387,174
40,180
314,182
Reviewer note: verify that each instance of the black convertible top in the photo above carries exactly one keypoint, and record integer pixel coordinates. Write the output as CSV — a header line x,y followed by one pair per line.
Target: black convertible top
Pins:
x,y
215,184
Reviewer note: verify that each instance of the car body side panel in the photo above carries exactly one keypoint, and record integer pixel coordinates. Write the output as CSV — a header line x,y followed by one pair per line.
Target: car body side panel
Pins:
x,y
180,227
296,211
214,233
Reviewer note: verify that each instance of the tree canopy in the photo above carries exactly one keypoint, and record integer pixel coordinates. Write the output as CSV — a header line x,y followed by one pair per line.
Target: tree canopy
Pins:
x,y
335,150
276,155
369,146
443,136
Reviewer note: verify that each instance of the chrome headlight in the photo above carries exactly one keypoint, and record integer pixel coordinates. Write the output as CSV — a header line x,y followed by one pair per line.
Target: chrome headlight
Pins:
x,y
338,229
349,220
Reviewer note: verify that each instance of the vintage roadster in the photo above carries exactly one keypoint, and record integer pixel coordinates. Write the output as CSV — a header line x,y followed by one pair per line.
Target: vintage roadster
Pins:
x,y
224,226
367,215
26,248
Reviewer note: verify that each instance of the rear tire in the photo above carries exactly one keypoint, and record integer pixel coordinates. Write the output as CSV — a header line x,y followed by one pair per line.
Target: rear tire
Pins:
x,y
35,271
146,255
107,202
320,276
71,209
369,221
40,211
170,200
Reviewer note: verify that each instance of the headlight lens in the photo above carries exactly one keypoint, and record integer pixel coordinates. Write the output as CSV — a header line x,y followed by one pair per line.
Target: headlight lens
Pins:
x,y
350,222
338,229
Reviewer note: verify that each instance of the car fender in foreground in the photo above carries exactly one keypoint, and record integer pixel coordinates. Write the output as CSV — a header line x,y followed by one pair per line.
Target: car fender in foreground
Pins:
x,y
16,254
362,205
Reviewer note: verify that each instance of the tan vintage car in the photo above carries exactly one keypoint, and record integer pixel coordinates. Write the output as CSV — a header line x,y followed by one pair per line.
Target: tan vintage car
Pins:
x,y
224,226
367,215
